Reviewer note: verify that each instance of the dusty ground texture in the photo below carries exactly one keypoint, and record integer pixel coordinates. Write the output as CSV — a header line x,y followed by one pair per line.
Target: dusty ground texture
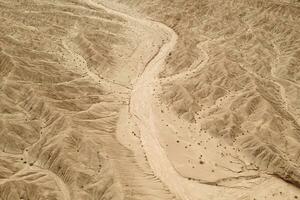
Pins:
x,y
149,100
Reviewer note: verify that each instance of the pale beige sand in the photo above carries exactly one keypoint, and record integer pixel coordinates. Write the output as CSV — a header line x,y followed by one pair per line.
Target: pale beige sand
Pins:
x,y
145,100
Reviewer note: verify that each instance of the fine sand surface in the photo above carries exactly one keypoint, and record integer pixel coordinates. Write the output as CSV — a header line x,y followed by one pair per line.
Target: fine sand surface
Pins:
x,y
149,100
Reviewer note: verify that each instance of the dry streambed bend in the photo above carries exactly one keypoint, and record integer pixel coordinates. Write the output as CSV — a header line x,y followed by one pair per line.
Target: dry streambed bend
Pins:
x,y
149,99
60,102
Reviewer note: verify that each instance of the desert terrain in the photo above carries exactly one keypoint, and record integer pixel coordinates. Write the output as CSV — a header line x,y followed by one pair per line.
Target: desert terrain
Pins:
x,y
149,100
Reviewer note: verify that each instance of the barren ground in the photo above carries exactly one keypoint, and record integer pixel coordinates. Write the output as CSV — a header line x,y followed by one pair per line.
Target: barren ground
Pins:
x,y
149,100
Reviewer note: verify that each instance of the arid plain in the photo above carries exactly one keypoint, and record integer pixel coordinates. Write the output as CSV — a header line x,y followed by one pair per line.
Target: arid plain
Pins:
x,y
149,99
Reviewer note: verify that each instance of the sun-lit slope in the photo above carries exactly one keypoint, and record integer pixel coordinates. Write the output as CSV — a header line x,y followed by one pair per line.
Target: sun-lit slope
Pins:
x,y
246,102
59,108
235,71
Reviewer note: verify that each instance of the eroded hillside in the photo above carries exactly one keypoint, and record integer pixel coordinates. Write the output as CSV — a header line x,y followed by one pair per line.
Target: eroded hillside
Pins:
x,y
61,93
145,100
234,75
